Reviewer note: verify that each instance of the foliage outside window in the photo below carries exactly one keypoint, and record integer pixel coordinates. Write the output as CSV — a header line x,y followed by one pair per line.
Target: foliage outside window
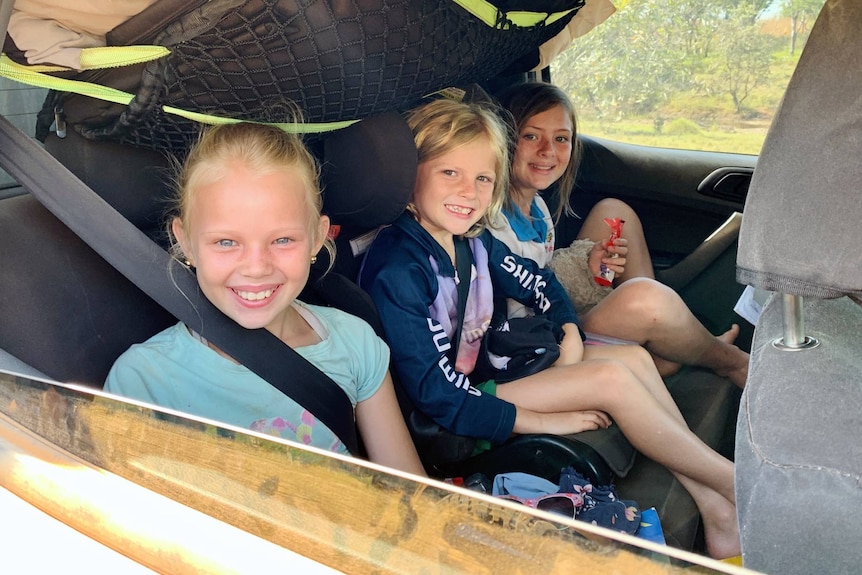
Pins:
x,y
688,74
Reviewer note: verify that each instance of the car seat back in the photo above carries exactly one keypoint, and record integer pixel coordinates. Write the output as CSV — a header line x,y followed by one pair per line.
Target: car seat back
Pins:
x,y
66,312
798,455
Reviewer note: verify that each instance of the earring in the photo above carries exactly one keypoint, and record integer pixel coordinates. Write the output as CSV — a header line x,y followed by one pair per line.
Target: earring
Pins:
x,y
313,260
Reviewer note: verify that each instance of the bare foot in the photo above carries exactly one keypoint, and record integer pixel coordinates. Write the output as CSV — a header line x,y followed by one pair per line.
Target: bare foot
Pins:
x,y
720,529
737,358
730,335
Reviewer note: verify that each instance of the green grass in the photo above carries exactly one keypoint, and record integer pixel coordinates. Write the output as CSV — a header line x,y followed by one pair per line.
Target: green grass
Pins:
x,y
643,132
700,121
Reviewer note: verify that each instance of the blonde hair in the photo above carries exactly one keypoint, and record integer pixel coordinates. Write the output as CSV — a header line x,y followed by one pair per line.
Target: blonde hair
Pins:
x,y
525,100
260,148
442,125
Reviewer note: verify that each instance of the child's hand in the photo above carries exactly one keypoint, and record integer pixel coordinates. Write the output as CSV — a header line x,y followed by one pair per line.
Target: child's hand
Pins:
x,y
614,256
575,421
560,423
572,347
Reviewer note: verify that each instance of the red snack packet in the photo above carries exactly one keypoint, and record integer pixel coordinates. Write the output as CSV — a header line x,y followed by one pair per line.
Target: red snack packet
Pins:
x,y
606,275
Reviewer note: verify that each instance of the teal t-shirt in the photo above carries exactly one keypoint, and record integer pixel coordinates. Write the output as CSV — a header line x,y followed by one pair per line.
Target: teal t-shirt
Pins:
x,y
174,369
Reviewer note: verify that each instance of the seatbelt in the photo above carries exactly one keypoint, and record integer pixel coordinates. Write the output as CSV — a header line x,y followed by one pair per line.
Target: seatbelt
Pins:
x,y
463,273
146,265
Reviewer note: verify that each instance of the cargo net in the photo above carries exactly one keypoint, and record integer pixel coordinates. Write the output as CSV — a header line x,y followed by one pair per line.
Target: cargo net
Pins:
x,y
335,60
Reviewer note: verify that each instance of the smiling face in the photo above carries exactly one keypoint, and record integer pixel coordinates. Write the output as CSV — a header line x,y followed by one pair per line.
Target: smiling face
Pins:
x,y
248,236
453,190
544,150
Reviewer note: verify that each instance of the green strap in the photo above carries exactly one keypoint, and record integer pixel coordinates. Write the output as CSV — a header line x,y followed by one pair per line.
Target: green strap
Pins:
x,y
490,14
111,57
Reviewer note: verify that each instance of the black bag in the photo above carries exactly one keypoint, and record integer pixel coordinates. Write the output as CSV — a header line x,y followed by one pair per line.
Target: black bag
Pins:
x,y
518,348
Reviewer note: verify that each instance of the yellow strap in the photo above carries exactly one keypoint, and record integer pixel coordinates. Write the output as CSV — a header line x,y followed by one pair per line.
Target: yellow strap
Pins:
x,y
487,13
106,57
34,76
26,75
117,56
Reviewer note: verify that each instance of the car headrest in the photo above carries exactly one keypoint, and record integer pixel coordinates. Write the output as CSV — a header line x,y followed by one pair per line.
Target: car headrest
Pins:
x,y
368,171
133,180
801,232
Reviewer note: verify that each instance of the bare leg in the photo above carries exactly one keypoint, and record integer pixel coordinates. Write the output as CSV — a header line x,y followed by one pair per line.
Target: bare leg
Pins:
x,y
720,523
665,367
648,416
653,315
638,261
639,361
721,530
609,386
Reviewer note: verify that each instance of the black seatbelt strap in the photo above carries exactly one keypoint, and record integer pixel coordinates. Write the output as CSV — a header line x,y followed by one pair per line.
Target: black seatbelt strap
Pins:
x,y
463,271
146,265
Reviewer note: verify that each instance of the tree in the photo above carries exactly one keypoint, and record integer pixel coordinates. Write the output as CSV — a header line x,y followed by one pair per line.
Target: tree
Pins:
x,y
743,55
633,61
802,14
651,50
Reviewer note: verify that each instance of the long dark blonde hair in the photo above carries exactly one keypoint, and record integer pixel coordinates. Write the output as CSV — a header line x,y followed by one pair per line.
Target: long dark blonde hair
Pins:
x,y
523,101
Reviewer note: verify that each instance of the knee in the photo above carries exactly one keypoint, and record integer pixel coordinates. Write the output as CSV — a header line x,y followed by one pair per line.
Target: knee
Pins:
x,y
617,379
614,208
640,358
646,297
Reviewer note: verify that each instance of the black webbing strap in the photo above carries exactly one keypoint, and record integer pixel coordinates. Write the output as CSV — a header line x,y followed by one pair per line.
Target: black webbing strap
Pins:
x,y
143,27
147,265
463,269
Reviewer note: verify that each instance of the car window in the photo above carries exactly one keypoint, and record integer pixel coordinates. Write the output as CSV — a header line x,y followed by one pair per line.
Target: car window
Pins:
x,y
347,514
19,104
695,75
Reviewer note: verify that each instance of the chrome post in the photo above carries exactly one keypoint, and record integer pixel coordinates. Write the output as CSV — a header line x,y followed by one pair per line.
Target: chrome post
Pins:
x,y
794,338
794,321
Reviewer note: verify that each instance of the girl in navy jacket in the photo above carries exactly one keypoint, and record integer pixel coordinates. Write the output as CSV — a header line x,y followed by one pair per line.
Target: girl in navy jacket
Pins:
x,y
410,273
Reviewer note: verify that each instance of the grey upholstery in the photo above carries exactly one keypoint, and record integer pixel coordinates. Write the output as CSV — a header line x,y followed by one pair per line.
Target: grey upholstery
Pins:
x,y
798,451
801,233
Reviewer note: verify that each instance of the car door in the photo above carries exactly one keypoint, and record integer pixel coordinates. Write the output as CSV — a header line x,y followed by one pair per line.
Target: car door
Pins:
x,y
690,204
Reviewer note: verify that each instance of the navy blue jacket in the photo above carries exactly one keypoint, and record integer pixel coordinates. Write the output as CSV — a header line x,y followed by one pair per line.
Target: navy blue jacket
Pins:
x,y
399,274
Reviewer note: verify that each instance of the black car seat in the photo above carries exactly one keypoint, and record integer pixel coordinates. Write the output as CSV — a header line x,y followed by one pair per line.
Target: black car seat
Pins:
x,y
66,312
798,453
